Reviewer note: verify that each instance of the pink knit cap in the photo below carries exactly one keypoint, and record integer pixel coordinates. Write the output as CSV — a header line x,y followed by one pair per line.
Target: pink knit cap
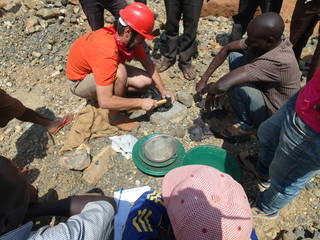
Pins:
x,y
206,204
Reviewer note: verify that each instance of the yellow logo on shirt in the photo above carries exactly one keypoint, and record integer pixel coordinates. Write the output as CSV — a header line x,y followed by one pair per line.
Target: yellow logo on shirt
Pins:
x,y
156,197
141,221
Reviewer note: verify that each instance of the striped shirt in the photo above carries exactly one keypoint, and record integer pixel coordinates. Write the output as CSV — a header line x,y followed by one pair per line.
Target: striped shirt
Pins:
x,y
276,75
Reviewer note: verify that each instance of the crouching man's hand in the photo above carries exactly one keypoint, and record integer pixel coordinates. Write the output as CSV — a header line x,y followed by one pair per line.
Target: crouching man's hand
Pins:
x,y
148,104
168,93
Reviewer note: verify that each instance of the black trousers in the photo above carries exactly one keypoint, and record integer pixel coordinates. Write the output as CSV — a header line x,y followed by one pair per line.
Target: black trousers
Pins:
x,y
94,10
247,9
304,19
186,45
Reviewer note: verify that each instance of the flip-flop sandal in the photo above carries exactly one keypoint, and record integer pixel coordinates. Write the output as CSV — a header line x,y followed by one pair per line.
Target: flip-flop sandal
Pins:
x,y
67,119
23,170
227,135
257,213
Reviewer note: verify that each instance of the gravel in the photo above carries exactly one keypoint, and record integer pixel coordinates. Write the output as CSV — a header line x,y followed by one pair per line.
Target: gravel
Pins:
x,y
33,53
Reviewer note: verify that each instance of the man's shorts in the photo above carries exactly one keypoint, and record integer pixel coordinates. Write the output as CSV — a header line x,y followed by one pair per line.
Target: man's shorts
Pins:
x,y
85,88
10,108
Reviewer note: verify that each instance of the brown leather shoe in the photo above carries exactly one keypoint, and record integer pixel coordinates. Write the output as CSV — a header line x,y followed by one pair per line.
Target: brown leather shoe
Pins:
x,y
122,121
163,64
236,131
189,72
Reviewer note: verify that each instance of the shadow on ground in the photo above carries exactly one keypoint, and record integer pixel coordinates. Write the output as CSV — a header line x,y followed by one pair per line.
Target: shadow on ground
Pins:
x,y
216,121
33,144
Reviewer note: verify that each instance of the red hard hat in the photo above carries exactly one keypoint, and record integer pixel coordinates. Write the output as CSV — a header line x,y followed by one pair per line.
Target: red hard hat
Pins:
x,y
139,17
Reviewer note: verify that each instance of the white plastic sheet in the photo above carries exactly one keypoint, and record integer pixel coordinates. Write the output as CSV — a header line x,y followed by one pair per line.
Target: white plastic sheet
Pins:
x,y
123,144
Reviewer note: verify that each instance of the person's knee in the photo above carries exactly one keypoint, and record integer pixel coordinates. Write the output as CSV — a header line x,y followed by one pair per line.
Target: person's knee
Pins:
x,y
145,82
121,81
140,82
122,74
236,94
263,132
236,60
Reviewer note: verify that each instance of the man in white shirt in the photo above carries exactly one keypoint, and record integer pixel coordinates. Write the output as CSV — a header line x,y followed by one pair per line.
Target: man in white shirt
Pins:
x,y
90,217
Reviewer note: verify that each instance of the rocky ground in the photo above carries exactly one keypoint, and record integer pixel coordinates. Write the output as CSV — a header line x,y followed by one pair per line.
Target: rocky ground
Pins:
x,y
34,43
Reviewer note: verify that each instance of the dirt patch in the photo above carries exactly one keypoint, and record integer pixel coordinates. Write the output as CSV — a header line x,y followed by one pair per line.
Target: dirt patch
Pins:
x,y
227,8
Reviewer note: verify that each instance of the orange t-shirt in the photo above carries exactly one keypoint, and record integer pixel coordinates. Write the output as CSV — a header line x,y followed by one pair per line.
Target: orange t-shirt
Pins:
x,y
97,52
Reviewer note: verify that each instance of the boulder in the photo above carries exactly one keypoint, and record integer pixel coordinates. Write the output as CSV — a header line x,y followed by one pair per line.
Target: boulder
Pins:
x,y
33,4
185,98
76,160
101,163
177,113
10,5
32,25
47,13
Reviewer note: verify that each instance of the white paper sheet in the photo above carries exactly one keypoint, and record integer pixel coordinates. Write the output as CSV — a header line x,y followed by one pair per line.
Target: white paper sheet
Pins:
x,y
123,144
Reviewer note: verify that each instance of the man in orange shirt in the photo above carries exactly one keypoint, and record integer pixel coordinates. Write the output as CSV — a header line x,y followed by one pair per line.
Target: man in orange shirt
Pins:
x,y
96,64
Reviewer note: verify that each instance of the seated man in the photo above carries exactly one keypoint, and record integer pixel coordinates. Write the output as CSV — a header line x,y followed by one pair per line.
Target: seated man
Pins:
x,y
261,80
197,202
96,64
90,217
11,108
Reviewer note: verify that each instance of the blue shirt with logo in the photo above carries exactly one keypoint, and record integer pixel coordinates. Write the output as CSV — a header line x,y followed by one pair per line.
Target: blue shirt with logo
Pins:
x,y
148,217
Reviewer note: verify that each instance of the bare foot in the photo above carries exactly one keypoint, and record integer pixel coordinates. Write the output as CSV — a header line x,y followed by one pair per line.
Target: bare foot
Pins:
x,y
59,123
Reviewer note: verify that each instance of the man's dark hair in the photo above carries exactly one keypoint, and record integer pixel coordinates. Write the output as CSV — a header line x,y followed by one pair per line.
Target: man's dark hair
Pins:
x,y
120,28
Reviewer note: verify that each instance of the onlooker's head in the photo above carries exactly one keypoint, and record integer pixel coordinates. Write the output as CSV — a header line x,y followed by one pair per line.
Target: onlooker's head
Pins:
x,y
264,32
15,196
204,203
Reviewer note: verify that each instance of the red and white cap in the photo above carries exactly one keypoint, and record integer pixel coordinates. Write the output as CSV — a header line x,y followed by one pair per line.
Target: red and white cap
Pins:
x,y
204,204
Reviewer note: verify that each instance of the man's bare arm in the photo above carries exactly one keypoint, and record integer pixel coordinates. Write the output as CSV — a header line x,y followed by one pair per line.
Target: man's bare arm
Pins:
x,y
155,76
216,62
153,73
236,77
107,100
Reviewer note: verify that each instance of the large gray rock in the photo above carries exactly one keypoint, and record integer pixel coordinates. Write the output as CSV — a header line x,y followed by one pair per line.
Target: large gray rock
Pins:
x,y
176,131
10,5
32,25
101,163
185,98
76,160
299,233
289,236
177,113
47,13
33,4
36,54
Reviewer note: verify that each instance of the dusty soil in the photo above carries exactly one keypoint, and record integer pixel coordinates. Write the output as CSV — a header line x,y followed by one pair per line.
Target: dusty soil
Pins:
x,y
227,8
40,83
